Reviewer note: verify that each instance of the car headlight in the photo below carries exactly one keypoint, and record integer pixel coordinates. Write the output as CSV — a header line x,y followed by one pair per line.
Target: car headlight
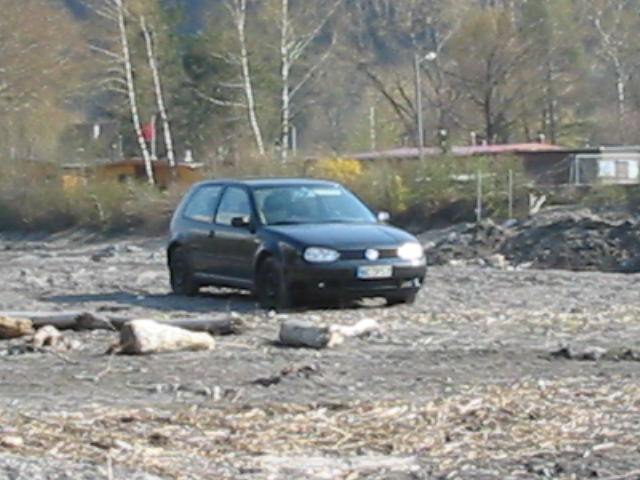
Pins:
x,y
410,251
320,255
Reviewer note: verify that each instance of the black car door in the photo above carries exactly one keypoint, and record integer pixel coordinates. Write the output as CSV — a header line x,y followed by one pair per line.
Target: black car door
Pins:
x,y
198,217
234,246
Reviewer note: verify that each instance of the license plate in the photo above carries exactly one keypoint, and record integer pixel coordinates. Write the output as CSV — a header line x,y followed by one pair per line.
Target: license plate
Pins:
x,y
375,271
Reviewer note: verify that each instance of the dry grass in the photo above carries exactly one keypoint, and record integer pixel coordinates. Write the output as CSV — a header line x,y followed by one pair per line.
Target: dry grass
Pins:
x,y
481,427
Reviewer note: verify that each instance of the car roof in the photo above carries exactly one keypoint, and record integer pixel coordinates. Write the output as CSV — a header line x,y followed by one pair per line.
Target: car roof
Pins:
x,y
268,182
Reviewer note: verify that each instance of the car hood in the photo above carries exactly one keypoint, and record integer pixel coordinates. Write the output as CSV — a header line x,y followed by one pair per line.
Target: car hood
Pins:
x,y
344,236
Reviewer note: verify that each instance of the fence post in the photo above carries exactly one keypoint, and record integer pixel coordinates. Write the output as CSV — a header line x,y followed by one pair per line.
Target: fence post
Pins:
x,y
479,198
510,194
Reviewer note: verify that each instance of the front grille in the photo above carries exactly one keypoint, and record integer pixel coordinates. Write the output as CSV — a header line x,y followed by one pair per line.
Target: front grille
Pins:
x,y
359,254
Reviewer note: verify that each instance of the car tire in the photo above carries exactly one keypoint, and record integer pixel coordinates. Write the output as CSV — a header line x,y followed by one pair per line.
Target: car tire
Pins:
x,y
181,274
273,291
407,298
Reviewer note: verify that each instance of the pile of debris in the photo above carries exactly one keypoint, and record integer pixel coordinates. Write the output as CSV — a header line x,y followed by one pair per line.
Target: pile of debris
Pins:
x,y
558,238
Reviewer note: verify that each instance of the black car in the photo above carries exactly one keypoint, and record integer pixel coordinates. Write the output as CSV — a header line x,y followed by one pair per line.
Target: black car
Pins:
x,y
290,240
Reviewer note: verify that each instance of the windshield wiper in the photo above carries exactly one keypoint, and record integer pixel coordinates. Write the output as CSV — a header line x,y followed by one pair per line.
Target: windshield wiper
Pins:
x,y
341,220
285,222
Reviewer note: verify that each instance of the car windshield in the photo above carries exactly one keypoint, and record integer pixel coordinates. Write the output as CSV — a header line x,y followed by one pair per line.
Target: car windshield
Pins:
x,y
284,205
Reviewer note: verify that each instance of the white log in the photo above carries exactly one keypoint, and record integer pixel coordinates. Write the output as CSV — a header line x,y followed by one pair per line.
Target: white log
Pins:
x,y
11,327
364,327
300,334
147,336
47,336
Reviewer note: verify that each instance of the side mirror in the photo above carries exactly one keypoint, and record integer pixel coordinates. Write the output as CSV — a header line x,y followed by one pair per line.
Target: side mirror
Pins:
x,y
241,222
383,217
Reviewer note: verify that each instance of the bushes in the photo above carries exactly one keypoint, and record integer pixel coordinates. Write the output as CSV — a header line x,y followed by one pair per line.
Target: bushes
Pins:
x,y
435,193
343,170
30,203
411,189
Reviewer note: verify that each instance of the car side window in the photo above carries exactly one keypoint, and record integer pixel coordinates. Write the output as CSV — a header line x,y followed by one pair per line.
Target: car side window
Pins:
x,y
202,204
235,203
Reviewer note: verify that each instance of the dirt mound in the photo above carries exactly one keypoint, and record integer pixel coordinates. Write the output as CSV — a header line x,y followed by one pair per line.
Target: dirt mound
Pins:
x,y
560,238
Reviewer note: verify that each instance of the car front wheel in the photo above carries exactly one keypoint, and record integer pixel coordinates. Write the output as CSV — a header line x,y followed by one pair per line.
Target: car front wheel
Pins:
x,y
273,292
181,274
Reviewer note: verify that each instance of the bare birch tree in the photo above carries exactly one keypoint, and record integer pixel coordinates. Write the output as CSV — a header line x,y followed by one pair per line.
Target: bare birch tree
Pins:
x,y
157,86
293,47
120,76
238,12
616,29
133,101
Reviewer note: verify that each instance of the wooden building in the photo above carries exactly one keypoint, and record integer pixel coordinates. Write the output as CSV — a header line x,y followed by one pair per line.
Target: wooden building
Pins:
x,y
133,170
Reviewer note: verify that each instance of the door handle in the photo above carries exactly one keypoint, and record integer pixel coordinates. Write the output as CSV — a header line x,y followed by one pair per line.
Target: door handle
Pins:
x,y
212,233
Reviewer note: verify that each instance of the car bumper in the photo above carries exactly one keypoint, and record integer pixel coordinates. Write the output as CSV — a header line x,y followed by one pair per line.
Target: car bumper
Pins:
x,y
341,278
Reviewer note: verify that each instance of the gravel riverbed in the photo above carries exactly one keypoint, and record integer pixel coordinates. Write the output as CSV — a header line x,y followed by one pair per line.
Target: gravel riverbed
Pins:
x,y
492,374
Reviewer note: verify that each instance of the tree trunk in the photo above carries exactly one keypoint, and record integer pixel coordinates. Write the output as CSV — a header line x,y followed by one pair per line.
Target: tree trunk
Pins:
x,y
153,66
285,59
488,119
133,101
239,13
621,100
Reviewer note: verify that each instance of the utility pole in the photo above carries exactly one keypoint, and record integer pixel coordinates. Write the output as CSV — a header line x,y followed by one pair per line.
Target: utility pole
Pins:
x,y
294,139
418,87
372,128
417,61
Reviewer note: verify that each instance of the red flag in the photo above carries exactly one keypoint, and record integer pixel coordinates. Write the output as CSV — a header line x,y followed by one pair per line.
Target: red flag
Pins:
x,y
148,132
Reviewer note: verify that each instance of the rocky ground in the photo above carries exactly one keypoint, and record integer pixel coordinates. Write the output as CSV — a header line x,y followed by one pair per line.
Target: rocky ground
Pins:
x,y
499,371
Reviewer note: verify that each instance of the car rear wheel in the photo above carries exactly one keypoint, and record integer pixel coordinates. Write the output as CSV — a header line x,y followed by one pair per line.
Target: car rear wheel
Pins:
x,y
406,298
181,274
273,292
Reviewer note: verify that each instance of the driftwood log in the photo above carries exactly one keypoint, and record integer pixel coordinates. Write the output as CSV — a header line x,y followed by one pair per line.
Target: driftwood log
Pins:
x,y
77,320
226,325
148,336
60,320
12,327
302,334
364,327
296,333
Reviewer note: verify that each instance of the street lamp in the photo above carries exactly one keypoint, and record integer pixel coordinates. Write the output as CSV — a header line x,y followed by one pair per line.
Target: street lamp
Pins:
x,y
417,61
